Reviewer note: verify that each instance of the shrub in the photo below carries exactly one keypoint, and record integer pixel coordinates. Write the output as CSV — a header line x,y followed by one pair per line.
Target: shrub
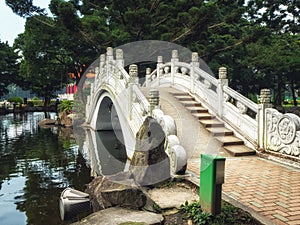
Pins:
x,y
229,215
15,99
65,105
30,104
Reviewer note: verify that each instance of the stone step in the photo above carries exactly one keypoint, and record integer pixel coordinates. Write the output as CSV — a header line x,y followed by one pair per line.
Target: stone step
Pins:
x,y
230,140
220,131
197,109
203,116
181,94
239,150
185,98
211,123
191,103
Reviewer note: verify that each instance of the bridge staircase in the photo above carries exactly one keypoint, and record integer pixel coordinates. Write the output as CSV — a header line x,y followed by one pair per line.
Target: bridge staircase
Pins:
x,y
230,142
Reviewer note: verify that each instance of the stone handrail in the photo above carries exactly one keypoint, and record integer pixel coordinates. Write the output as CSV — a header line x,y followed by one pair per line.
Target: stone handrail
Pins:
x,y
243,112
235,109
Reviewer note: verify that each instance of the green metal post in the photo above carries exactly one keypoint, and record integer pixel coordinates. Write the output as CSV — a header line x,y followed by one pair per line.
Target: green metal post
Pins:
x,y
211,180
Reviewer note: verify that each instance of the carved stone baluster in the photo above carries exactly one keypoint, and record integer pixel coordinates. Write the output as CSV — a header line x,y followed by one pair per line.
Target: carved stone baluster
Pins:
x,y
148,78
174,60
265,103
133,73
154,99
159,68
222,82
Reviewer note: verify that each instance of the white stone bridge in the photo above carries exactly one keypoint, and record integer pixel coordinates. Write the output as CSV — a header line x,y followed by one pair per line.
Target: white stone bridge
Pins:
x,y
190,105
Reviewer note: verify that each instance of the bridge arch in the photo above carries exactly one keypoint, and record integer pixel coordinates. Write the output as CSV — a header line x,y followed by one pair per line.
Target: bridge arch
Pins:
x,y
108,115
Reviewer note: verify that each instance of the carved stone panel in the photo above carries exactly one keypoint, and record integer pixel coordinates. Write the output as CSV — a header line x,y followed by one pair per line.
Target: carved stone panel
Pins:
x,y
283,132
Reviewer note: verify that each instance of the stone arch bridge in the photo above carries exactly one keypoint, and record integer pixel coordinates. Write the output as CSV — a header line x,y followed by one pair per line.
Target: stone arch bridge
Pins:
x,y
199,113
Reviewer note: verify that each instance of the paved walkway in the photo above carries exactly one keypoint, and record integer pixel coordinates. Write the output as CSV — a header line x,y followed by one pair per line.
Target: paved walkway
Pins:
x,y
269,191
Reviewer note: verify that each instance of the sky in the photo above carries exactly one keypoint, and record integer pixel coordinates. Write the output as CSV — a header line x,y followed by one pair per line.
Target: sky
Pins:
x,y
11,24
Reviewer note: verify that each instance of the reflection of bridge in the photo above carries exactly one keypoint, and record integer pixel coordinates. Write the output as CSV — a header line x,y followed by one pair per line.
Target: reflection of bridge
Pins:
x,y
189,104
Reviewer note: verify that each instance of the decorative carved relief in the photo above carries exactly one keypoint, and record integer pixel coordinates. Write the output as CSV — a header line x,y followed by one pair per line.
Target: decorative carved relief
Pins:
x,y
207,84
226,97
283,132
167,69
184,70
242,107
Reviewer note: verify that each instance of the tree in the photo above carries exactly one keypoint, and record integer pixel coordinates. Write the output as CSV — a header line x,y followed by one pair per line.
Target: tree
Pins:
x,y
238,34
41,69
24,8
8,67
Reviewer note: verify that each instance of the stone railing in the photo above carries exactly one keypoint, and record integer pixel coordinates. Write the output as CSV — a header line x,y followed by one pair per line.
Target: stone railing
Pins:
x,y
249,120
236,110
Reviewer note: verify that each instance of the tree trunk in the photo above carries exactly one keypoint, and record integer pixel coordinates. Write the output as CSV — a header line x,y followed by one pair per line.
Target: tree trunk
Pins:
x,y
46,101
294,93
278,100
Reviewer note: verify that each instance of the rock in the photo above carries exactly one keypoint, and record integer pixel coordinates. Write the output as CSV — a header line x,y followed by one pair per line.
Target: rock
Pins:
x,y
66,119
150,164
46,123
117,190
173,197
119,216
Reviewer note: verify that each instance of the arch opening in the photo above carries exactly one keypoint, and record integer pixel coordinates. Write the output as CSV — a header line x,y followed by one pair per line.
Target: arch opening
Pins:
x,y
109,140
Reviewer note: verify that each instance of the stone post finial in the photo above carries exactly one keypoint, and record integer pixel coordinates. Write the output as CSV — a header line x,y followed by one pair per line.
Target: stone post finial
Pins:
x,y
102,58
195,57
175,54
265,96
148,71
119,54
222,73
153,99
159,59
133,70
109,51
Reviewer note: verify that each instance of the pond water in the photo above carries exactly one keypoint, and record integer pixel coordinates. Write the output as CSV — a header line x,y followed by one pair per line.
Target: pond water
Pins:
x,y
36,164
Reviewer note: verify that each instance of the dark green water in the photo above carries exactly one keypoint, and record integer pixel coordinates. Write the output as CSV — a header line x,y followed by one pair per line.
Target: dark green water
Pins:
x,y
35,166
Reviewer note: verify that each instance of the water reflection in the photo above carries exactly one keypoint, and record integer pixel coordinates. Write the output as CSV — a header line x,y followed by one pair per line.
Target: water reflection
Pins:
x,y
35,166
105,152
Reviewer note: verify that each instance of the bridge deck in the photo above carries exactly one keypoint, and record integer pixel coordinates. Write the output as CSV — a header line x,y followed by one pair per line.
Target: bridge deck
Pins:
x,y
268,190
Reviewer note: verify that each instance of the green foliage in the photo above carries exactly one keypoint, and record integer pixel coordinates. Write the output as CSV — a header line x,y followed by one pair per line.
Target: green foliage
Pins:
x,y
30,104
229,215
193,211
258,41
8,67
66,105
15,99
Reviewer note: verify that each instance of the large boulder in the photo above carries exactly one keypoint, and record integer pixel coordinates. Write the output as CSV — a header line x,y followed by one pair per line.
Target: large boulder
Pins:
x,y
150,164
116,190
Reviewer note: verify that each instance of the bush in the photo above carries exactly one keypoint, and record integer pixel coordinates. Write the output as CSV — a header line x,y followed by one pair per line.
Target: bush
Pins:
x,y
65,105
15,99
30,104
229,215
